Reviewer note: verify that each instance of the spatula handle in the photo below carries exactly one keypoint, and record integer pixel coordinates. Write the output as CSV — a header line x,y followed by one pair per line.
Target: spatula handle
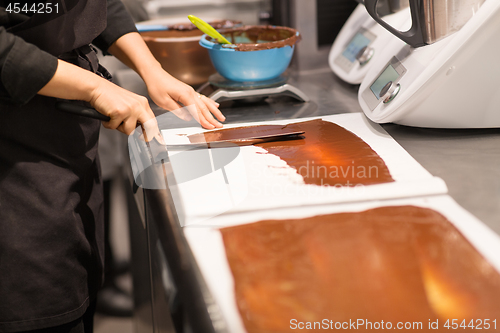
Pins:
x,y
81,110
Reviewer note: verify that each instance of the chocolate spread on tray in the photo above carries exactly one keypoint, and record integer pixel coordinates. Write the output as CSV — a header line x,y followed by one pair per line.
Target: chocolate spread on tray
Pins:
x,y
329,155
261,37
391,264
237,133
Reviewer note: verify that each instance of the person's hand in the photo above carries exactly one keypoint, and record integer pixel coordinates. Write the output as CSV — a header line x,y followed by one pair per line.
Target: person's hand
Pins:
x,y
125,109
165,90
171,94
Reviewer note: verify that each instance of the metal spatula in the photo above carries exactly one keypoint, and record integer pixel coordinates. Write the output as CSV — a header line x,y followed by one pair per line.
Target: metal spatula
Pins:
x,y
253,138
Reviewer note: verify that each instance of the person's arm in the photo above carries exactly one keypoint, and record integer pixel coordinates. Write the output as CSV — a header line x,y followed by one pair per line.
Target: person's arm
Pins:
x,y
25,71
24,68
121,39
165,90
124,108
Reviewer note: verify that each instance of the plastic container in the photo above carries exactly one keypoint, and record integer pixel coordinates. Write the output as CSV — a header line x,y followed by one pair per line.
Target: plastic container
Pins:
x,y
258,53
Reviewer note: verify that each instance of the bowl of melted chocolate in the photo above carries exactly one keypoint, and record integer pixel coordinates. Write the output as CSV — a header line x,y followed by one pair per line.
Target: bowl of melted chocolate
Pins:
x,y
256,53
174,43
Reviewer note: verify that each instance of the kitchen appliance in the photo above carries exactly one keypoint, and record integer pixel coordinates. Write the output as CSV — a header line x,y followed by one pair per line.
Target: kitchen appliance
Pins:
x,y
361,38
221,89
253,66
432,20
451,82
318,21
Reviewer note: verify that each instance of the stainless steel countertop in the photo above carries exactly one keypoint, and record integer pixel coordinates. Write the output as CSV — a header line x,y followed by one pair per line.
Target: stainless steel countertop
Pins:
x,y
467,160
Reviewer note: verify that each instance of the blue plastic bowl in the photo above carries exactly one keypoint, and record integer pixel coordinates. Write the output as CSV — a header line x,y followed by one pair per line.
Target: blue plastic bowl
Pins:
x,y
252,57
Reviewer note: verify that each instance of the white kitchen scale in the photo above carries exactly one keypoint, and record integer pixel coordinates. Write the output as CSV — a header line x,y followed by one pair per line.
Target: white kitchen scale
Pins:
x,y
360,41
452,83
225,90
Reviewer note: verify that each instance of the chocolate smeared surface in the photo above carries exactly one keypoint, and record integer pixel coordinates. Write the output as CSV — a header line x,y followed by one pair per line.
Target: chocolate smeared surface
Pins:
x,y
396,264
329,155
238,133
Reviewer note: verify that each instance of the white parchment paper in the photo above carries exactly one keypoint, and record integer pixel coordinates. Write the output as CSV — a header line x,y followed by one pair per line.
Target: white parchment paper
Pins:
x,y
258,180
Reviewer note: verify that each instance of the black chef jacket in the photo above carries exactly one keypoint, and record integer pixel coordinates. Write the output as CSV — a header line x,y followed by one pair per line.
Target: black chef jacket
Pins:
x,y
51,231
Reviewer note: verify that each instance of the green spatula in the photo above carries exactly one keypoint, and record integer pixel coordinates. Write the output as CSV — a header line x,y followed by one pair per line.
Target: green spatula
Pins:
x,y
208,29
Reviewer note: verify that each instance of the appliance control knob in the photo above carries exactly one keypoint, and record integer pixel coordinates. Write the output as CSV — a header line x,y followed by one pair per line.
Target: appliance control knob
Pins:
x,y
365,54
389,92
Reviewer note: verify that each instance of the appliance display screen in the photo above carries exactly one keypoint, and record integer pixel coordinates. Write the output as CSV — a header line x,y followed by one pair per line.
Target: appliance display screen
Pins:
x,y
355,45
389,74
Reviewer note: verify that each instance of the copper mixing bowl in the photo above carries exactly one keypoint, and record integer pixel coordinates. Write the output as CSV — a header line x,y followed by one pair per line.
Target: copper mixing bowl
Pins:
x,y
178,51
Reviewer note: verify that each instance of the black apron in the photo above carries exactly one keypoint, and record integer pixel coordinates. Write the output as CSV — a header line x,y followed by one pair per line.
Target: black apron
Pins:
x,y
51,226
